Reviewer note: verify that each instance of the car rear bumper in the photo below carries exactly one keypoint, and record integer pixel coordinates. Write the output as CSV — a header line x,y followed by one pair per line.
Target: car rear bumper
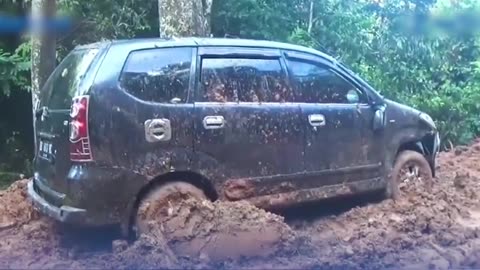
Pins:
x,y
93,195
64,213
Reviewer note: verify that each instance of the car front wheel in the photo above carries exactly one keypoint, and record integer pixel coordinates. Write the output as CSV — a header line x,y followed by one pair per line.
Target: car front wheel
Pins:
x,y
411,172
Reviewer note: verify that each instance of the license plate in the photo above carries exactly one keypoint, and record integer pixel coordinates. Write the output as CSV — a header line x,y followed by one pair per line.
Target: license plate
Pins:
x,y
45,150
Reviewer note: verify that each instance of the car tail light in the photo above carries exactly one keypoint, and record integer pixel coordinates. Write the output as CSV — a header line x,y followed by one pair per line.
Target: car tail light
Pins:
x,y
80,149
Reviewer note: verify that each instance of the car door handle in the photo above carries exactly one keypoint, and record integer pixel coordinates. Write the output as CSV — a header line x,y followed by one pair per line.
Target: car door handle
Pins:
x,y
213,122
316,120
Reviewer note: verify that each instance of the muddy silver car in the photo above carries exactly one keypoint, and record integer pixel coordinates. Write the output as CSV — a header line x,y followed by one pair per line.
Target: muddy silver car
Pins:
x,y
138,124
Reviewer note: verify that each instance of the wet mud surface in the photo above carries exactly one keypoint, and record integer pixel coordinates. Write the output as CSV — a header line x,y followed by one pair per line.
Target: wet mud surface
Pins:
x,y
435,229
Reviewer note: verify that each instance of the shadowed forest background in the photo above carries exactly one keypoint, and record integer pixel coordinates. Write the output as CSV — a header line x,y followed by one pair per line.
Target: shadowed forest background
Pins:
x,y
423,53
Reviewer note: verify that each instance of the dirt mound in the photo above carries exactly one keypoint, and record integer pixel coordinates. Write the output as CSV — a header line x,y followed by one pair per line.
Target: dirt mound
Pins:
x,y
461,164
15,209
381,236
145,253
24,233
435,229
438,228
197,235
223,230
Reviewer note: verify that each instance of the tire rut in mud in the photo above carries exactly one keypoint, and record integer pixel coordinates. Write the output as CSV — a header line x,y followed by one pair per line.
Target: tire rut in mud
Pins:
x,y
438,229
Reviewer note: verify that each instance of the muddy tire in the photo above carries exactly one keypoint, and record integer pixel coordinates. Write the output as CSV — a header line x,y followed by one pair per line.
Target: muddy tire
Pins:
x,y
156,205
410,169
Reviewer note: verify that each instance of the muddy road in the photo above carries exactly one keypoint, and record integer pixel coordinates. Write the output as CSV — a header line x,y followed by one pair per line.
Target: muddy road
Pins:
x,y
437,229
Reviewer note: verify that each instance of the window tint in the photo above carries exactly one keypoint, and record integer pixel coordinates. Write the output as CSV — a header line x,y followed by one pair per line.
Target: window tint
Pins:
x,y
159,75
247,80
319,84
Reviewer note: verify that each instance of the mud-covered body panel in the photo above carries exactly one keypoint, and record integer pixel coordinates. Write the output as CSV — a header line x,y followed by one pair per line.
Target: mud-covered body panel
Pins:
x,y
257,140
404,126
266,153
248,188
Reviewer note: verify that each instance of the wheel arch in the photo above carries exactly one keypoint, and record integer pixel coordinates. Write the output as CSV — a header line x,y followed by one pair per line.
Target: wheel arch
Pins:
x,y
190,177
414,145
421,145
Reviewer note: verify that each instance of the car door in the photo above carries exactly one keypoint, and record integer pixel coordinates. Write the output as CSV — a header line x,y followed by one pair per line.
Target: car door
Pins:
x,y
243,120
340,144
153,126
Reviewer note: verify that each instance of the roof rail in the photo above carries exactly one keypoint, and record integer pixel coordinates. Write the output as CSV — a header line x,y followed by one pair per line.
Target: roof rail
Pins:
x,y
231,36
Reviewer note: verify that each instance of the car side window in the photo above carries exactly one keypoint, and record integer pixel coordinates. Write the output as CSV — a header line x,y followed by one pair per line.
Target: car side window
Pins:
x,y
244,80
158,75
316,83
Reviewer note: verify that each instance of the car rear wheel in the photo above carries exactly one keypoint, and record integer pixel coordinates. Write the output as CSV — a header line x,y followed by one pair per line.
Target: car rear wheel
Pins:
x,y
411,171
156,206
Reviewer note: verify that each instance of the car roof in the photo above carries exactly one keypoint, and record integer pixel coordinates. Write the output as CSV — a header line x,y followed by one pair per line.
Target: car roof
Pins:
x,y
205,42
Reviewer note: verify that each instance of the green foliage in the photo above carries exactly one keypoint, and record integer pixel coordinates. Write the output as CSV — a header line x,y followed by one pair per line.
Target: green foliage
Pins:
x,y
14,151
14,70
258,19
6,178
428,67
104,20
300,36
455,109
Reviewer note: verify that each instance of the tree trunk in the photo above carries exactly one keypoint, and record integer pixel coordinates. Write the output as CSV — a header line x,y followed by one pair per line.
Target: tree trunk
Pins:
x,y
182,18
43,49
310,18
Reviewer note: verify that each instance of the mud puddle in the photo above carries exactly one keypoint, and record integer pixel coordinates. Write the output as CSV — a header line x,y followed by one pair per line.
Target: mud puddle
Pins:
x,y
438,229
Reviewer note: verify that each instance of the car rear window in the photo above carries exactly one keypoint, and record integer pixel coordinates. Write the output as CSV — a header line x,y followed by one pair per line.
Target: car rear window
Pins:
x,y
65,81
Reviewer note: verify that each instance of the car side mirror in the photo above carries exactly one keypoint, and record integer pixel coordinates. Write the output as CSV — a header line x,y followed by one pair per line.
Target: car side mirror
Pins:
x,y
379,120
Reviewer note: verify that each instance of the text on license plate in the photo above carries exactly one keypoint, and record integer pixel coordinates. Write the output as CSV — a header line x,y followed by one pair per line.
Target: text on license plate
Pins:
x,y
45,149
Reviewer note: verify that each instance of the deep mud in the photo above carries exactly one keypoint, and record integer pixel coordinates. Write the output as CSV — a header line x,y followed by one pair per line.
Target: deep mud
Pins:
x,y
435,229
221,230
